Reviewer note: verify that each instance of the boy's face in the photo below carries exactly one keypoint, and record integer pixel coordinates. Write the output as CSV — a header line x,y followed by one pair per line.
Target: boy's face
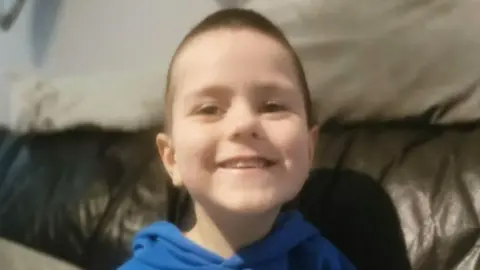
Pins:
x,y
239,137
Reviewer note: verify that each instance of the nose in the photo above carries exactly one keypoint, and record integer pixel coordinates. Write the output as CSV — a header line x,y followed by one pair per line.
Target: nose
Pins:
x,y
243,122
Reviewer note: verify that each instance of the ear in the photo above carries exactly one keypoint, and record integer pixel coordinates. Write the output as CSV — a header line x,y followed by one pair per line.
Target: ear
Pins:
x,y
312,140
166,152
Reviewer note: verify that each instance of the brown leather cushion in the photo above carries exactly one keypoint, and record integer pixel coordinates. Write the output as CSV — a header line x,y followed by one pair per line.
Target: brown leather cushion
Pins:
x,y
353,211
432,176
82,195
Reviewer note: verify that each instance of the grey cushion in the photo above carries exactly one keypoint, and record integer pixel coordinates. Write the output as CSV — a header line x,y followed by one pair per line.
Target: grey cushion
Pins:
x,y
384,59
17,257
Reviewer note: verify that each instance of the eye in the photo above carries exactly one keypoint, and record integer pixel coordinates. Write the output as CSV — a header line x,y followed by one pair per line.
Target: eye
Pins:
x,y
273,106
209,110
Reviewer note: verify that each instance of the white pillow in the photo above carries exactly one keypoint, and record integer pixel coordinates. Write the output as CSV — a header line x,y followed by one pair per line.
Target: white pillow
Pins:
x,y
384,59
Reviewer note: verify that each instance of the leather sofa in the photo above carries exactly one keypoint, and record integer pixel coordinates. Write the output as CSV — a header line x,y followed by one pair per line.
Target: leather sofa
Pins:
x,y
388,195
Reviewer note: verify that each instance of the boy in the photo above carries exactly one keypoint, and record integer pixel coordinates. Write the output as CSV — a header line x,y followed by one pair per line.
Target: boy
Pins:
x,y
239,137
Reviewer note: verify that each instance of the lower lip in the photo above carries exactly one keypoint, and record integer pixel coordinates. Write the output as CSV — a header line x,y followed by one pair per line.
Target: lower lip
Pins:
x,y
247,169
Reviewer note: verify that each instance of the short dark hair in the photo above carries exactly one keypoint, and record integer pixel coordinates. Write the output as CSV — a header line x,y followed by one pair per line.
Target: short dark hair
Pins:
x,y
236,18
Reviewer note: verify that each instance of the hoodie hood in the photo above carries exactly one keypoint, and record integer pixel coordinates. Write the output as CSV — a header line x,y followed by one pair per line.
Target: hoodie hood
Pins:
x,y
163,246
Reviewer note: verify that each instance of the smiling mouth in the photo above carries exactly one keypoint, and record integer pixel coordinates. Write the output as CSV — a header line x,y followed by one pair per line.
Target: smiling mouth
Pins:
x,y
247,163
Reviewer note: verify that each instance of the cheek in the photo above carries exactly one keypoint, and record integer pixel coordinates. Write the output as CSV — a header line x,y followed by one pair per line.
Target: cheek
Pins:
x,y
190,166
292,141
299,156
294,145
194,156
190,145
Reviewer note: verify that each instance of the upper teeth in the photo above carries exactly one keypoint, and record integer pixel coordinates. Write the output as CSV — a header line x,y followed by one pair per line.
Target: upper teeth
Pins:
x,y
253,163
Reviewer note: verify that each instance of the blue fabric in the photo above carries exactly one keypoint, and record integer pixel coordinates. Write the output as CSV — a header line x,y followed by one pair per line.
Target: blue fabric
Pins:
x,y
293,244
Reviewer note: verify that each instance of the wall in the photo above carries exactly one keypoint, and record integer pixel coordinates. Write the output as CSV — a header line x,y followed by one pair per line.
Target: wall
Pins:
x,y
58,38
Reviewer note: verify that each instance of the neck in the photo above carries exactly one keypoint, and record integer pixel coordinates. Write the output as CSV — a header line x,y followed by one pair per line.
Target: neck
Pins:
x,y
225,233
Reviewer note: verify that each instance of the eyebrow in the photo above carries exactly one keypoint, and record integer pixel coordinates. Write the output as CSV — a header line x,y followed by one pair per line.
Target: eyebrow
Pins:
x,y
271,87
215,90
261,88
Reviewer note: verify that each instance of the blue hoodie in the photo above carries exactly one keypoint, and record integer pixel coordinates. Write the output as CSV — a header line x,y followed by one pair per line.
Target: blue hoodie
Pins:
x,y
292,244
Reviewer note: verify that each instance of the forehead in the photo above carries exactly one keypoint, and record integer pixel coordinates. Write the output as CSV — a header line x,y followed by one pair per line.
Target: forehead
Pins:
x,y
231,58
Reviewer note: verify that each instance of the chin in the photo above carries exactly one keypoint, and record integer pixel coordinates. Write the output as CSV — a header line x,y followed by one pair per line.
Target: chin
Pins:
x,y
251,206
